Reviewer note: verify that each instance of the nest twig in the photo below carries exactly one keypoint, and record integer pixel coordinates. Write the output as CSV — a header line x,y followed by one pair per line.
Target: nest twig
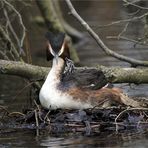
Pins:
x,y
89,121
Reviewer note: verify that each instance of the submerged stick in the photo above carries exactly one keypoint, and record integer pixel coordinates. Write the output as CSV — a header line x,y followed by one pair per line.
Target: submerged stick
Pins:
x,y
128,109
37,122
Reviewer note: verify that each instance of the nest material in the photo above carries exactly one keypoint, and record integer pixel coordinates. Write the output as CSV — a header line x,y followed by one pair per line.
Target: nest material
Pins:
x,y
88,121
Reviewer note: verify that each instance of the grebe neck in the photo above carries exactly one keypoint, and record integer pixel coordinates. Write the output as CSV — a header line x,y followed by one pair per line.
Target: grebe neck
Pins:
x,y
55,74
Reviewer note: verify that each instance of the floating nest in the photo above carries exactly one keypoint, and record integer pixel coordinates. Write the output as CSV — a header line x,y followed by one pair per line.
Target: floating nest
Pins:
x,y
87,121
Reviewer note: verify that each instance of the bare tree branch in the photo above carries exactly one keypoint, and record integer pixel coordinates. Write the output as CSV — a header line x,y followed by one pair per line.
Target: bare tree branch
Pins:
x,y
108,51
126,20
128,39
14,53
4,55
11,44
10,27
21,22
124,30
135,5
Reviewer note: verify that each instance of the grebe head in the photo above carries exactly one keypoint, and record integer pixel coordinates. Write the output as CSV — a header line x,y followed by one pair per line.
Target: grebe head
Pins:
x,y
56,46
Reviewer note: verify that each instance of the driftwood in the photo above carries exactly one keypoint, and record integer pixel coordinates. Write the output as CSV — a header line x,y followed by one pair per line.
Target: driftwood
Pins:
x,y
84,75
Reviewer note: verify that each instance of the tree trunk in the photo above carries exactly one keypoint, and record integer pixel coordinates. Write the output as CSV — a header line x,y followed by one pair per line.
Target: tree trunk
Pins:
x,y
53,23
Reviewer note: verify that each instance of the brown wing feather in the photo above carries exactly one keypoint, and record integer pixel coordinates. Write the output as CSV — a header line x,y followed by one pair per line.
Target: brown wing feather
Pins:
x,y
96,96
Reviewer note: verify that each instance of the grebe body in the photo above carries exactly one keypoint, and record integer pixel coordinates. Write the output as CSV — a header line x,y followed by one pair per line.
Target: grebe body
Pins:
x,y
55,94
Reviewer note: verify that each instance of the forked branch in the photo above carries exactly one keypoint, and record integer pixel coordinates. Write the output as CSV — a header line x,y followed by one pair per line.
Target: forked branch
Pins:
x,y
107,50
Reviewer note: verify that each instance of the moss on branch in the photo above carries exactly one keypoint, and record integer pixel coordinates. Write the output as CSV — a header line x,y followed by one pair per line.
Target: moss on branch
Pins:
x,y
84,75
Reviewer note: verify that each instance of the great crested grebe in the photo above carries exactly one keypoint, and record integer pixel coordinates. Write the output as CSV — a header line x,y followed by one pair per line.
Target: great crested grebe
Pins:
x,y
56,94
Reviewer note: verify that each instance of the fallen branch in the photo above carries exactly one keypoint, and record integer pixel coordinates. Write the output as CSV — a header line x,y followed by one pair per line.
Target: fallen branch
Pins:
x,y
22,69
93,75
108,51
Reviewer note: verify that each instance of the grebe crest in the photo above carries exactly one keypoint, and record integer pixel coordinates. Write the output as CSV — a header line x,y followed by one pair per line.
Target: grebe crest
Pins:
x,y
57,94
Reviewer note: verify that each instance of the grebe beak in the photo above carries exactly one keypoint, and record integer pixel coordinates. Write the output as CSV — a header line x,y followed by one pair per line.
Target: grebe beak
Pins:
x,y
56,58
56,55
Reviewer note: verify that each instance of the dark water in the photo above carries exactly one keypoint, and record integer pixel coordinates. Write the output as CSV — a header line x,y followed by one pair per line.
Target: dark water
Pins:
x,y
95,13
28,139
